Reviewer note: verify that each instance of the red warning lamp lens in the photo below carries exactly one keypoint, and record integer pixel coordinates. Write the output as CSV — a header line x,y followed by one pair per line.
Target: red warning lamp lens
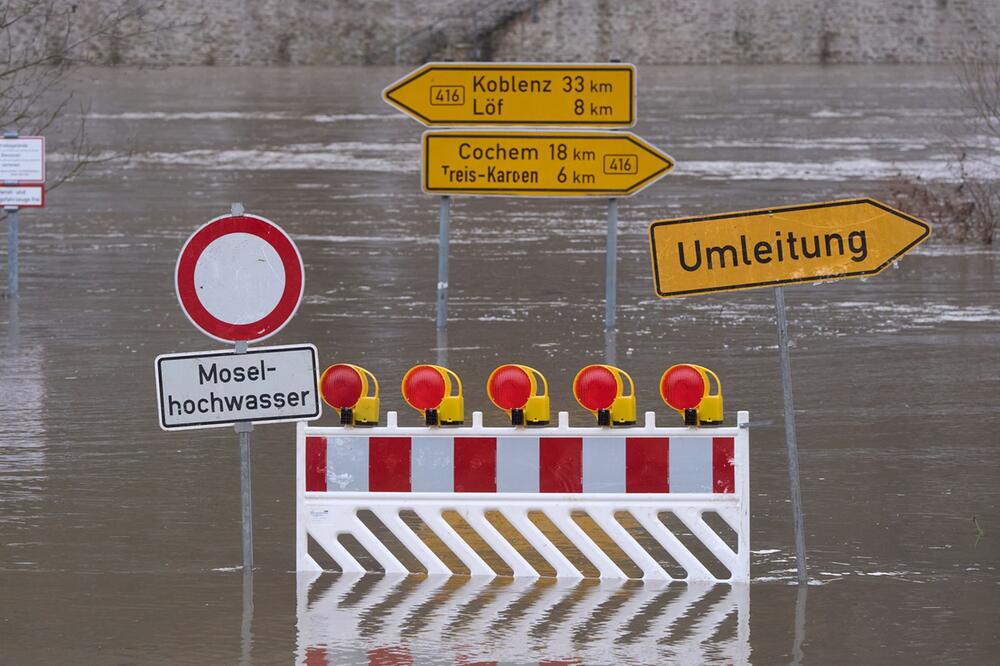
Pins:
x,y
509,387
596,388
423,387
340,386
683,387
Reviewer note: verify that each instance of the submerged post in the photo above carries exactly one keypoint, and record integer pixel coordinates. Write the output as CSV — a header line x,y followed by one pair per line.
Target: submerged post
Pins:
x,y
12,241
790,442
442,285
12,259
611,266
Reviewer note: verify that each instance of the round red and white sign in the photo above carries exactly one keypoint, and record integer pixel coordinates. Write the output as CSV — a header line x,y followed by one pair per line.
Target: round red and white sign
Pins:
x,y
239,277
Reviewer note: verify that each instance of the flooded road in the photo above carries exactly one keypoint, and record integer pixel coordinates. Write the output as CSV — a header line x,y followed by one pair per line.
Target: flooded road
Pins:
x,y
119,542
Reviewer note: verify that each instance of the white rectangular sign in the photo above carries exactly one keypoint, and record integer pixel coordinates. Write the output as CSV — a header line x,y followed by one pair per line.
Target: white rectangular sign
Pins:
x,y
22,196
212,389
22,160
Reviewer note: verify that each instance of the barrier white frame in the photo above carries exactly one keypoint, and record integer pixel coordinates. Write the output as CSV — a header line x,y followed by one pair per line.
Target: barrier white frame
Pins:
x,y
325,516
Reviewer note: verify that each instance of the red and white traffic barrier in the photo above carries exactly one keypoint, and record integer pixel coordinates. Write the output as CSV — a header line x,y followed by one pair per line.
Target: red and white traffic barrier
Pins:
x,y
644,471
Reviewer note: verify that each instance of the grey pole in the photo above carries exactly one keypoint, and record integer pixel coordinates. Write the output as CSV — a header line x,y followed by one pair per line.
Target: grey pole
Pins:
x,y
12,286
611,266
12,258
790,443
243,429
442,347
442,286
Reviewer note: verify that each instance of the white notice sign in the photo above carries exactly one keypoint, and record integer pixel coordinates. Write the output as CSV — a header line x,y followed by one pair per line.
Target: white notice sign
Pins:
x,y
22,160
22,196
211,389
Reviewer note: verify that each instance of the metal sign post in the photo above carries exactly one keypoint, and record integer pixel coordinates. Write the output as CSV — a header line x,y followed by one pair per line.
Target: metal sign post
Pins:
x,y
611,268
444,222
12,258
243,429
790,443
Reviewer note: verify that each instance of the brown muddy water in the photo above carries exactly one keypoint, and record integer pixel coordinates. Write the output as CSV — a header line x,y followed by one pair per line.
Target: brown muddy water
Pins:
x,y
120,543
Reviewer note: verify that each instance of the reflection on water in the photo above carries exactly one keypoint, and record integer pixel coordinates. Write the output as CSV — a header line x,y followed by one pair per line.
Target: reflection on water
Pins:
x,y
22,410
408,619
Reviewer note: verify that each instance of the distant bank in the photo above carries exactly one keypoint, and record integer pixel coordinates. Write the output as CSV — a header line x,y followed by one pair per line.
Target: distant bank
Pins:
x,y
267,32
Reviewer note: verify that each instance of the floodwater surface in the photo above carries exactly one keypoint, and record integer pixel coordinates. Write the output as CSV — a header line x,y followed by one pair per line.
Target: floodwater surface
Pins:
x,y
120,543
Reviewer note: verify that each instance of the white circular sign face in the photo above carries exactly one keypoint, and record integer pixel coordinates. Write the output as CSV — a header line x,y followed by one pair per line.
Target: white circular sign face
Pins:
x,y
239,277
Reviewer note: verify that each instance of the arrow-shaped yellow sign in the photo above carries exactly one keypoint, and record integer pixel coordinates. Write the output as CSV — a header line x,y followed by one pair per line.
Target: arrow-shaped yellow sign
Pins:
x,y
771,247
450,94
552,164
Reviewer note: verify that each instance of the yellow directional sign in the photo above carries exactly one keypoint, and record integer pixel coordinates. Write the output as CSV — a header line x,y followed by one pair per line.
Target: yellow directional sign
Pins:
x,y
551,164
771,247
447,93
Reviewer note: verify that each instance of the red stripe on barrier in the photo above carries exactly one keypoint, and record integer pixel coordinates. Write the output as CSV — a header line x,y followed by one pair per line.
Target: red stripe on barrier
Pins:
x,y
560,462
475,465
389,464
315,464
647,465
723,474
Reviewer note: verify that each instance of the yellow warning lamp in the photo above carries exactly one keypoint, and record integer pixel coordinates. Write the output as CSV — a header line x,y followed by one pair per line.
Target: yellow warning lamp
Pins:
x,y
693,391
515,389
345,388
599,389
428,389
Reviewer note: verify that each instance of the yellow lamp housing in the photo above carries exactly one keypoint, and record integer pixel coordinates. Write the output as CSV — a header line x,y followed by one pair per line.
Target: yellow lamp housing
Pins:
x,y
537,411
508,384
623,408
366,412
710,409
452,409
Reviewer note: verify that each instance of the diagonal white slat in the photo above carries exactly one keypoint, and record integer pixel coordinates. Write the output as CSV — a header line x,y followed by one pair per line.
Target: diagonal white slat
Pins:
x,y
390,518
520,567
390,563
605,565
648,518
731,515
651,569
692,518
326,537
432,518
519,519
309,564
